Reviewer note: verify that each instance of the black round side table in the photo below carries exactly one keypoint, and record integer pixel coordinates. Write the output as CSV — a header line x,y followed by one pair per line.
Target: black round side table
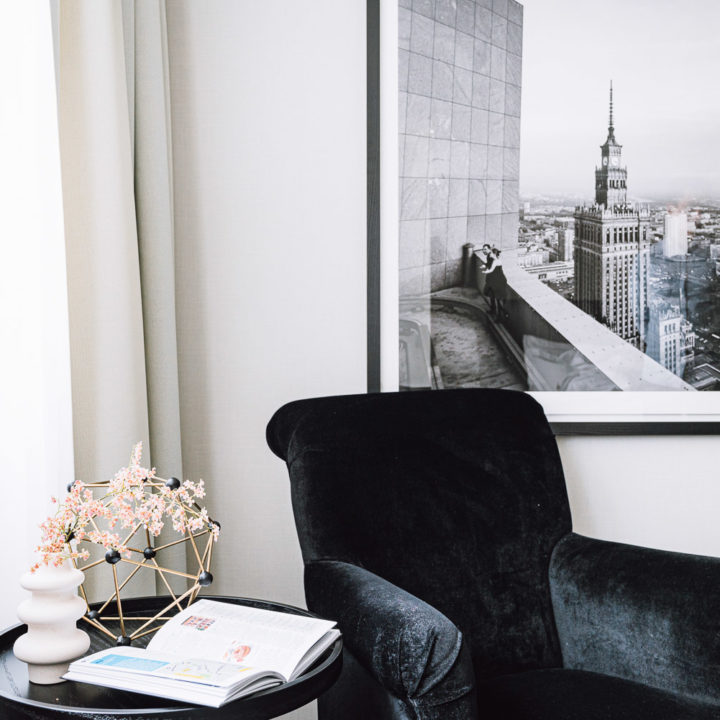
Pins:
x,y
21,699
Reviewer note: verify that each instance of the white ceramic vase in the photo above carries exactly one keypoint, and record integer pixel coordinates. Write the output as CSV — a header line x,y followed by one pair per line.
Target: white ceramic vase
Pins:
x,y
51,614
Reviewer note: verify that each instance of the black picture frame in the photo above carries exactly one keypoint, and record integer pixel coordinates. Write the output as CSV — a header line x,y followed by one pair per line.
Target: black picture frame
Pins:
x,y
635,428
373,195
374,350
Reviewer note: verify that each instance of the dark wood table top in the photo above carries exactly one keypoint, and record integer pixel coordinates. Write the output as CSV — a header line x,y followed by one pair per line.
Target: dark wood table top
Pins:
x,y
21,699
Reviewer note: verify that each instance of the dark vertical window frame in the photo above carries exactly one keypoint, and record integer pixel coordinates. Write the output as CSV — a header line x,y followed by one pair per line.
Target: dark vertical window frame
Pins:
x,y
373,195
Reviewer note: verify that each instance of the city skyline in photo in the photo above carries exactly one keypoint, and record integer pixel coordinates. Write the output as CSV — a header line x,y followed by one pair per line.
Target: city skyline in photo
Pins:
x,y
663,59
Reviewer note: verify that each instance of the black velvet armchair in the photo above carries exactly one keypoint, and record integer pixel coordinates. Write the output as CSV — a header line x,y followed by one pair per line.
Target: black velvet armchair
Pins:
x,y
435,528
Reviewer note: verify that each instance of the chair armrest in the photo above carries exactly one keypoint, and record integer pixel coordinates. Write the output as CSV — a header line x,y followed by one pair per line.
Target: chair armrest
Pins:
x,y
409,647
646,615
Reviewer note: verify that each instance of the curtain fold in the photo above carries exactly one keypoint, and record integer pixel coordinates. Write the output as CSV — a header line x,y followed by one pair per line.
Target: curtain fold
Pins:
x,y
116,170
154,210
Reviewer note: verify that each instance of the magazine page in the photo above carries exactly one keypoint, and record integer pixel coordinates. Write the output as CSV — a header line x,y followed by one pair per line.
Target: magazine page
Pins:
x,y
315,652
136,661
240,635
195,680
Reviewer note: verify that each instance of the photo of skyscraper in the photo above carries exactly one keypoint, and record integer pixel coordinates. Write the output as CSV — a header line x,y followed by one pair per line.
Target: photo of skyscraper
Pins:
x,y
612,249
611,285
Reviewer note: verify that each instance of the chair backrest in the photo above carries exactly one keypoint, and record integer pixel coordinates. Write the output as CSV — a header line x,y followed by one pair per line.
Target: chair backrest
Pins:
x,y
456,496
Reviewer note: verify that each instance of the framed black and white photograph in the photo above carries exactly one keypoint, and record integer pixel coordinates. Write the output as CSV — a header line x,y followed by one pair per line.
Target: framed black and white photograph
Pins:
x,y
558,224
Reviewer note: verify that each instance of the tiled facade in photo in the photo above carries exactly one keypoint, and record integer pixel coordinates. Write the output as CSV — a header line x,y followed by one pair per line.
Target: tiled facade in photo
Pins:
x,y
459,118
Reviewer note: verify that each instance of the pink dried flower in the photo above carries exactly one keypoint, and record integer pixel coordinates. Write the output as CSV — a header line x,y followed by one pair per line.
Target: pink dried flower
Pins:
x,y
130,501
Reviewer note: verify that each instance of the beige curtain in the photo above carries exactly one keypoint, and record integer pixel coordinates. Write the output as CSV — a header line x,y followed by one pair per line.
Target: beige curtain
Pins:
x,y
146,48
116,170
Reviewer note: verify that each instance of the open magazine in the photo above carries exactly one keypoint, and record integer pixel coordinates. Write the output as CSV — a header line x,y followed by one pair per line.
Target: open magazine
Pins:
x,y
212,653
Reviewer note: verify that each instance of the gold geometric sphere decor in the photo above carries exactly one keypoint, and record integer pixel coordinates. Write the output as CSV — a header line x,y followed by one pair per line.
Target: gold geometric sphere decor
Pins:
x,y
123,517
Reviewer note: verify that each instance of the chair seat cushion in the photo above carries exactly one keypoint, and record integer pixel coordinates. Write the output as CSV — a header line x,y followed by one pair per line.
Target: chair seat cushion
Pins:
x,y
579,695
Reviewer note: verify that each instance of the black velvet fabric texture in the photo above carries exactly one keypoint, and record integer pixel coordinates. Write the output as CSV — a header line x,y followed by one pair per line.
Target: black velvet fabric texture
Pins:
x,y
456,497
357,695
641,614
579,695
409,647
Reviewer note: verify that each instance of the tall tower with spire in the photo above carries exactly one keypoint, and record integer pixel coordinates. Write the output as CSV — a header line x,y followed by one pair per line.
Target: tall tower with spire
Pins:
x,y
612,249
611,176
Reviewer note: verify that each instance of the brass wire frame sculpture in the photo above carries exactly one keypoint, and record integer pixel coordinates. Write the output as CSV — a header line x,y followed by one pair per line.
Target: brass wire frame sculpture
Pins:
x,y
146,558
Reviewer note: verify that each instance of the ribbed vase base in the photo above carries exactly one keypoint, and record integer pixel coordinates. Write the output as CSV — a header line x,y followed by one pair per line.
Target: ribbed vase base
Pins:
x,y
47,674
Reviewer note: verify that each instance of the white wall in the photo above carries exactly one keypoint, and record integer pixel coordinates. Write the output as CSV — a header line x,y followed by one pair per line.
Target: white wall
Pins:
x,y
268,103
655,491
